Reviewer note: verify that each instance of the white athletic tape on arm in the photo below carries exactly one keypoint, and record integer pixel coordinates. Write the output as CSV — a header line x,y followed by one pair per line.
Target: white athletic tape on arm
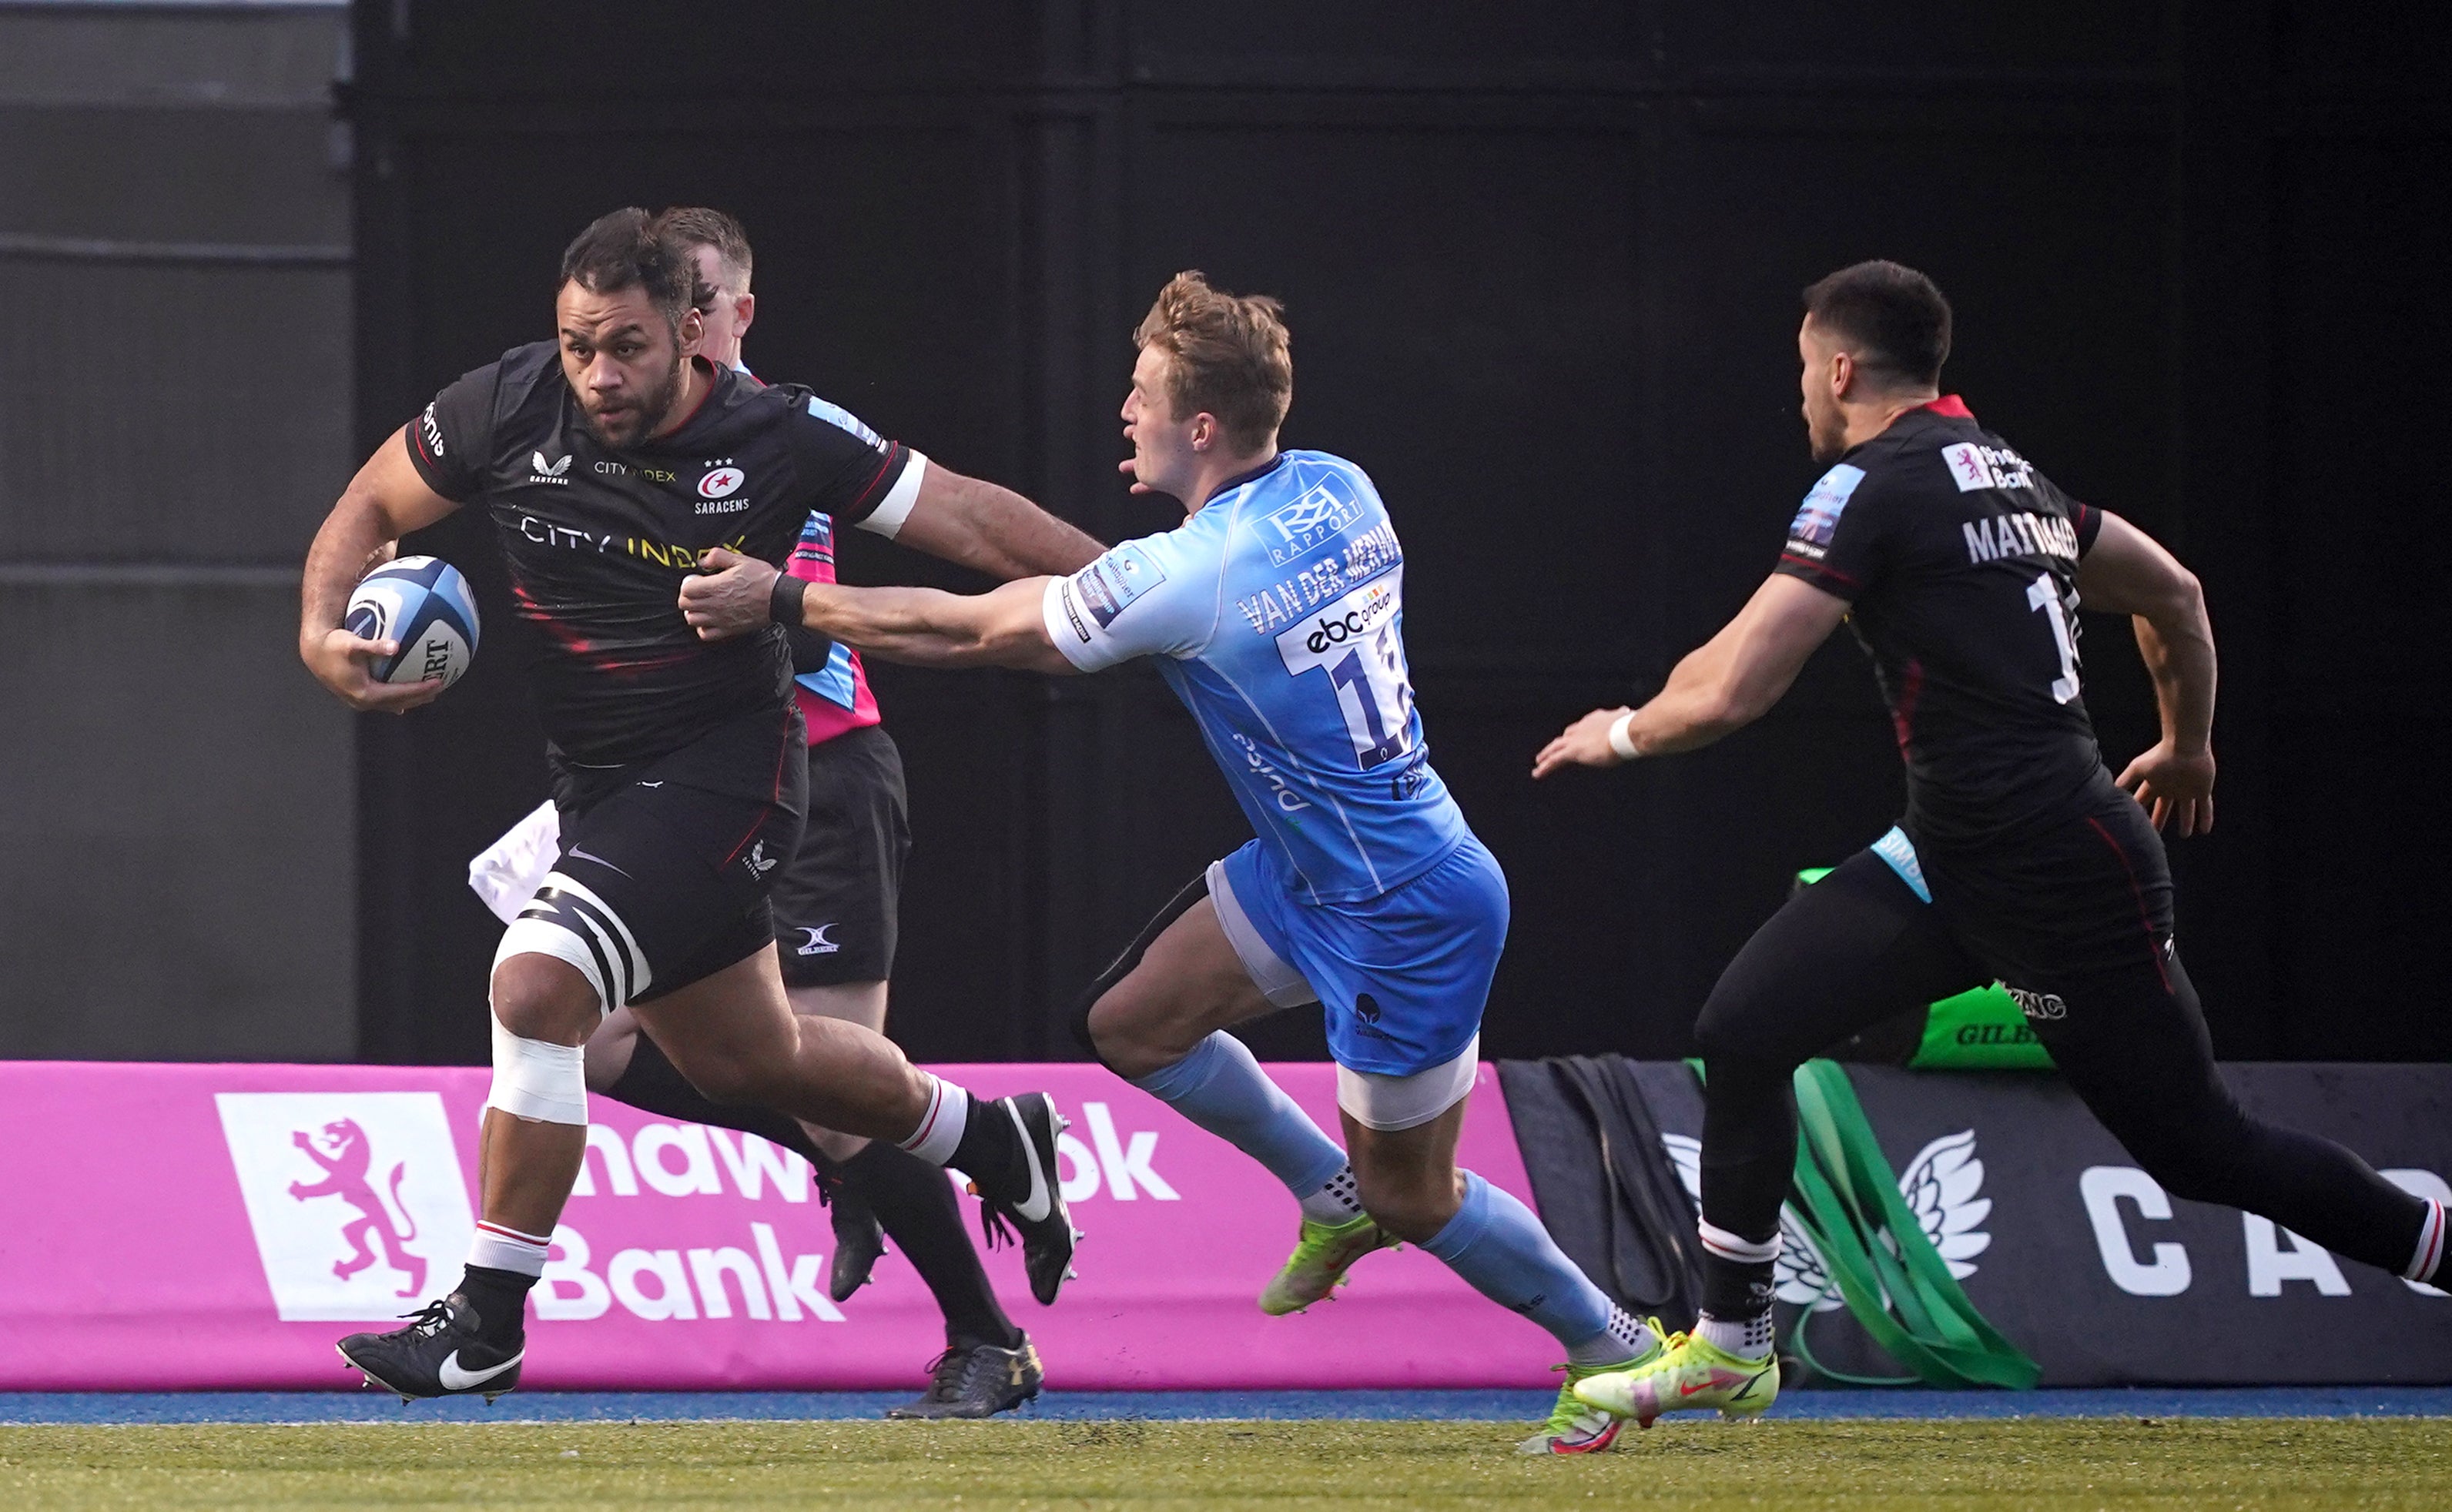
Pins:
x,y
887,519
537,1080
1620,741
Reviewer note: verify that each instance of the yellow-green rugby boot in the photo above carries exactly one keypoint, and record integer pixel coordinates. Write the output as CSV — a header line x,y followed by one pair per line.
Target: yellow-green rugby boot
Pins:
x,y
1322,1255
1576,1427
1689,1375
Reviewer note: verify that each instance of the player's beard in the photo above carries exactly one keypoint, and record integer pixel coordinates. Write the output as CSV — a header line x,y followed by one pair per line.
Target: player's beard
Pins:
x,y
642,419
1826,435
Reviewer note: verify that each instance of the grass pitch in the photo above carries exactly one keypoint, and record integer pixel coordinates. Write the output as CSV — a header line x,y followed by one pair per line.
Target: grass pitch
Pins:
x,y
1696,1466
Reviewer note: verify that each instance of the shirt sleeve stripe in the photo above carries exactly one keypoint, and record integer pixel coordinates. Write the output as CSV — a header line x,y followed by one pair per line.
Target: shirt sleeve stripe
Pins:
x,y
1816,569
887,518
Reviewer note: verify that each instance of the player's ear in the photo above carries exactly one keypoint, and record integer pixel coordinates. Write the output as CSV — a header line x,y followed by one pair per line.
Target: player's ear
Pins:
x,y
745,310
691,332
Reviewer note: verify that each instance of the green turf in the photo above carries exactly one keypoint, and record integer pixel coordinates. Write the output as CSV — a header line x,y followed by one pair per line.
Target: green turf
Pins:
x,y
1691,1465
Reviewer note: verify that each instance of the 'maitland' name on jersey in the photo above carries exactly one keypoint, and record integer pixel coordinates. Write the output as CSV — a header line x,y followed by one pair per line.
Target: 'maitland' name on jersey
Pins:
x,y
1959,563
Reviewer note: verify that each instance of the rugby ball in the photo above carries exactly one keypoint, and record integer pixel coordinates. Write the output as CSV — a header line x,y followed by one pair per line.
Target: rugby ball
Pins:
x,y
423,603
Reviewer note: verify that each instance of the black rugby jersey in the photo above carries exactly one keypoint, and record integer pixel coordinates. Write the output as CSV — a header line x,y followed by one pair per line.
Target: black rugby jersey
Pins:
x,y
1959,563
599,540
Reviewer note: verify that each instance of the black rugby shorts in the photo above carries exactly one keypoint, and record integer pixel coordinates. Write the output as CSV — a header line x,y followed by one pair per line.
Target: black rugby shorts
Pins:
x,y
685,870
838,901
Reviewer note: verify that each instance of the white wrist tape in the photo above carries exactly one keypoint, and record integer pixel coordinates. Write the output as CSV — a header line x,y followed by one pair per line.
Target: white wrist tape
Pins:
x,y
1619,740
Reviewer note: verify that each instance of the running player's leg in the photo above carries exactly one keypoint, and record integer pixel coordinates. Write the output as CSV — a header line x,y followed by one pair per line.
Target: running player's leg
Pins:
x,y
2078,925
1855,948
837,925
625,1065
860,1237
915,1205
2133,1046
1158,1016
733,1034
2124,1025
910,1197
1852,950
1403,1132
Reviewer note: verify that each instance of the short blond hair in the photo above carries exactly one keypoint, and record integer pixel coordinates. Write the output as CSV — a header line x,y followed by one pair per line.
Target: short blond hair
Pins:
x,y
1228,356
696,225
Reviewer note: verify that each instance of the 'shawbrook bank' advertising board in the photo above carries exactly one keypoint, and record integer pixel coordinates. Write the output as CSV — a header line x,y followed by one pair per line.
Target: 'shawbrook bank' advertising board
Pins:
x,y
182,1227
2089,1265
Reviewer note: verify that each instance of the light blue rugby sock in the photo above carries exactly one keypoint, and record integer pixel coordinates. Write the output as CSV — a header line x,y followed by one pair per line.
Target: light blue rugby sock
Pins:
x,y
1222,1088
1498,1245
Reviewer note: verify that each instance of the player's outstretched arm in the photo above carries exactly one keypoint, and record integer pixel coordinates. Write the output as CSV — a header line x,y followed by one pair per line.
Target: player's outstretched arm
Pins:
x,y
1722,686
384,501
991,529
924,626
2126,571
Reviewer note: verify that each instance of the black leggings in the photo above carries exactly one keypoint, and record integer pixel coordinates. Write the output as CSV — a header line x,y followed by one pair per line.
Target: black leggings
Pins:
x,y
2128,1034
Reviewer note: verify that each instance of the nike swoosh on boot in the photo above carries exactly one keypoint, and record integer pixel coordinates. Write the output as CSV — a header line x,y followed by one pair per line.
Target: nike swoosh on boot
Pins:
x,y
455,1379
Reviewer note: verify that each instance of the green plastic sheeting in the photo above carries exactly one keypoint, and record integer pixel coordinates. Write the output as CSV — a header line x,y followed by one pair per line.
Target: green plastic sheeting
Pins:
x,y
1876,1254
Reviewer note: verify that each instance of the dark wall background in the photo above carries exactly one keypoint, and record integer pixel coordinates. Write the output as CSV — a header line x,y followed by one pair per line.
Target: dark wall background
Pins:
x,y
1541,264
174,420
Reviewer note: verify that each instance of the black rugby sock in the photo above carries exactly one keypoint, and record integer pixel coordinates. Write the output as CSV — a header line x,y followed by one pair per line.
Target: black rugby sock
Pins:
x,y
1736,1305
653,1084
916,1206
991,1151
501,1297
1735,1288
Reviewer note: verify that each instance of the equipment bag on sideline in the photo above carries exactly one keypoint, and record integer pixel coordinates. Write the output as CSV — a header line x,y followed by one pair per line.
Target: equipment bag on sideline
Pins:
x,y
1644,1252
1878,1257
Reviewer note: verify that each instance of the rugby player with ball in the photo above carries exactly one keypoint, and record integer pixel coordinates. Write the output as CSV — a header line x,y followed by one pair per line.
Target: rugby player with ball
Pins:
x,y
611,460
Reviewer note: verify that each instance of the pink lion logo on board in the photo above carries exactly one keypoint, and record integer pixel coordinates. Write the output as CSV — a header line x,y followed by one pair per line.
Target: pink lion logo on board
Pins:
x,y
347,1156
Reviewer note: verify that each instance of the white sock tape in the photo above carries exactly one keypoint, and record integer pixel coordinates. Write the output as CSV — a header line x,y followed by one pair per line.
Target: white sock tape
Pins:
x,y
1737,1248
942,1125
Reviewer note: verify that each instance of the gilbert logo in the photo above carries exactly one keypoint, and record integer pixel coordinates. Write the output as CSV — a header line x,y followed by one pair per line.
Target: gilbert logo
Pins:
x,y
354,1197
1943,1187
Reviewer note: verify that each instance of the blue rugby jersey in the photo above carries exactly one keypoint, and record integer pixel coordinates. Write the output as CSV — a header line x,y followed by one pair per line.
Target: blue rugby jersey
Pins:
x,y
1277,615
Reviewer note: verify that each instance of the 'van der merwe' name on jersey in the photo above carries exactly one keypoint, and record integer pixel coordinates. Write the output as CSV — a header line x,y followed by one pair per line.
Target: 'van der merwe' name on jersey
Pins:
x,y
1277,615
599,539
1958,561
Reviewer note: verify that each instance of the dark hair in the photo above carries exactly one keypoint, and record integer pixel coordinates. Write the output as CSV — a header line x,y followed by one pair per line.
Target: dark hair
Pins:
x,y
1891,319
625,250
1230,354
696,225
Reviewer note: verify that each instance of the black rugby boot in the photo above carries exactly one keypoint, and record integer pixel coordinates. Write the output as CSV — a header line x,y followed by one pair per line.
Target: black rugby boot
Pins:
x,y
974,1380
1022,1191
439,1354
859,1239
